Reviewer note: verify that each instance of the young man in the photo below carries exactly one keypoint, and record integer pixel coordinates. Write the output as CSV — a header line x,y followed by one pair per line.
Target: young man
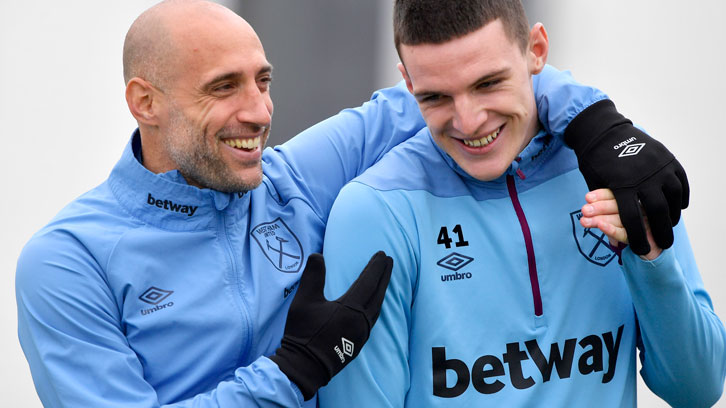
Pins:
x,y
170,283
499,295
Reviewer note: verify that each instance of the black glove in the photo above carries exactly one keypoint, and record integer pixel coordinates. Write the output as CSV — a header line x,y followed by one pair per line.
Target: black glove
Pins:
x,y
614,154
321,336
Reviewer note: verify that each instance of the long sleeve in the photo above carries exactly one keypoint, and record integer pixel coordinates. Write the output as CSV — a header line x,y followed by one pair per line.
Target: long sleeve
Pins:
x,y
379,376
560,98
323,158
683,341
72,333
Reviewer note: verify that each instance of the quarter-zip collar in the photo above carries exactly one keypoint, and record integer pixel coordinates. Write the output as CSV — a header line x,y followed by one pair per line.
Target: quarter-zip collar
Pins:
x,y
165,200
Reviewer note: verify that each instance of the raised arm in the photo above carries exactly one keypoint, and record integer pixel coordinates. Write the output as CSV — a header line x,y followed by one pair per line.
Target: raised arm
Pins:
x,y
326,156
323,158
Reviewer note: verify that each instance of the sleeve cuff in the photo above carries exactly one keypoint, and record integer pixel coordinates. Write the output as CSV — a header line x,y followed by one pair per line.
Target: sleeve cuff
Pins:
x,y
297,391
592,122
661,270
293,386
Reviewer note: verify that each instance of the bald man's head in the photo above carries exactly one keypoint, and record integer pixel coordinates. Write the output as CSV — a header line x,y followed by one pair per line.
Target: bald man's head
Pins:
x,y
152,43
197,82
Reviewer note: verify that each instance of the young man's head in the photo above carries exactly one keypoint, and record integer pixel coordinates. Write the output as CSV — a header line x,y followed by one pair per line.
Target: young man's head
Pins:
x,y
197,82
469,64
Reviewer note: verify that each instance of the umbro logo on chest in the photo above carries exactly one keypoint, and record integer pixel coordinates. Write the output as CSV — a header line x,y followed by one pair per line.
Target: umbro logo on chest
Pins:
x,y
156,297
453,261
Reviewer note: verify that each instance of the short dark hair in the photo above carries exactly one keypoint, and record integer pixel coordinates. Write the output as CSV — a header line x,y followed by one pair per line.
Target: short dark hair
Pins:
x,y
438,21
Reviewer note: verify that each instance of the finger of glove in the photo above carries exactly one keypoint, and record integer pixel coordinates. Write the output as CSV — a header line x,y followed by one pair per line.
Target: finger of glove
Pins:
x,y
312,281
366,285
593,181
373,307
632,219
656,208
685,189
673,194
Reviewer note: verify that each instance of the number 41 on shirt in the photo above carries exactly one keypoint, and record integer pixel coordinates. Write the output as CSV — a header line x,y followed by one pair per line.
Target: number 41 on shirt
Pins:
x,y
444,239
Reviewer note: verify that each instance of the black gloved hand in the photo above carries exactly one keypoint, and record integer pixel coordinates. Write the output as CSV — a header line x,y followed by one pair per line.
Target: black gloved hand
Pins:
x,y
614,154
321,337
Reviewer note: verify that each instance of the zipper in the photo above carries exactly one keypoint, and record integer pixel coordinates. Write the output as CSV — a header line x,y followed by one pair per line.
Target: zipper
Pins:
x,y
531,262
235,272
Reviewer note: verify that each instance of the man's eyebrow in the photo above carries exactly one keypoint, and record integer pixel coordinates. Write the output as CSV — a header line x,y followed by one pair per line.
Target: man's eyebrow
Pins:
x,y
227,76
489,76
419,96
266,69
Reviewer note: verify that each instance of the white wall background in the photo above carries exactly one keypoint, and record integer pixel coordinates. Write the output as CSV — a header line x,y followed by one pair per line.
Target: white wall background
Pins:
x,y
64,123
662,63
64,119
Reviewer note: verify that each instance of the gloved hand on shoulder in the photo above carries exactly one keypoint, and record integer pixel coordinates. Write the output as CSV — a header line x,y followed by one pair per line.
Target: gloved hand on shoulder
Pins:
x,y
321,336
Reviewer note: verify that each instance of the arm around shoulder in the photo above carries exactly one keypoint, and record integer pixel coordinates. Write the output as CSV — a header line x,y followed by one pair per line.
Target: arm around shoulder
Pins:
x,y
560,99
327,155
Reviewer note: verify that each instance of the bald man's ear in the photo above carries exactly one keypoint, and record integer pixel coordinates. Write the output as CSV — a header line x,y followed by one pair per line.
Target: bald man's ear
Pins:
x,y
143,101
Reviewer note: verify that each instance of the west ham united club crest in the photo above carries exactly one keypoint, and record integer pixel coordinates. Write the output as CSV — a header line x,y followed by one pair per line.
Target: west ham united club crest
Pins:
x,y
592,243
279,244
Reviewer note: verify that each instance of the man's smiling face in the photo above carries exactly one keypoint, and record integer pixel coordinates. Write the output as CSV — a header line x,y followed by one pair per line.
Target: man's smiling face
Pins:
x,y
218,103
475,93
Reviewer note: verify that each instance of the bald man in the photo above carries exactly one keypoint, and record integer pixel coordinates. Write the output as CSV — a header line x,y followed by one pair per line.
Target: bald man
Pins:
x,y
172,282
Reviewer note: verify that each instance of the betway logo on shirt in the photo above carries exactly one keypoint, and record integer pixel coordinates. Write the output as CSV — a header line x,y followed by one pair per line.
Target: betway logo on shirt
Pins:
x,y
487,372
169,205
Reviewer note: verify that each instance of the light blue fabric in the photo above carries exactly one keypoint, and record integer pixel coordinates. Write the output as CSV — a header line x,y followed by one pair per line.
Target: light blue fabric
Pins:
x,y
149,292
461,305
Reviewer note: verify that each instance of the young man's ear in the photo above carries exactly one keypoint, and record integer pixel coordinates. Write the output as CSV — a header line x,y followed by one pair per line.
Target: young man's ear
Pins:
x,y
142,99
404,73
537,48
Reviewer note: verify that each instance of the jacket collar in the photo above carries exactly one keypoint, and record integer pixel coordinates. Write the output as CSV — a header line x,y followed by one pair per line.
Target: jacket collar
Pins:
x,y
165,200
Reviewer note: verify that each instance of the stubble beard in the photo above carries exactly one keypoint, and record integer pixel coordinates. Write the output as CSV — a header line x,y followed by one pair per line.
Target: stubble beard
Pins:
x,y
200,163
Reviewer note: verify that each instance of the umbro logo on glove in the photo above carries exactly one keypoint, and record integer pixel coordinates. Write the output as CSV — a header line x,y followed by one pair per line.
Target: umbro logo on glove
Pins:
x,y
348,348
643,174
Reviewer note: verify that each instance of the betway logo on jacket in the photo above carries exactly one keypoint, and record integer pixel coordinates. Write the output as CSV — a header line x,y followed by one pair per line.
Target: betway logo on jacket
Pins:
x,y
169,205
487,373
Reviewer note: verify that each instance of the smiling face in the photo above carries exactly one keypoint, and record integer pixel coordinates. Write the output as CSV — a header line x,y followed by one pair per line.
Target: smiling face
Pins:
x,y
220,107
210,114
475,93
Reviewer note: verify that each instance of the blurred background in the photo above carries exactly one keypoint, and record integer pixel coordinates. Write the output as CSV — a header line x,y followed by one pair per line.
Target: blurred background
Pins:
x,y
64,118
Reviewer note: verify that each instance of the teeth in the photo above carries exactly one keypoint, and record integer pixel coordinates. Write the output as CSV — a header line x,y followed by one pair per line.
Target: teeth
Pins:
x,y
246,143
484,140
